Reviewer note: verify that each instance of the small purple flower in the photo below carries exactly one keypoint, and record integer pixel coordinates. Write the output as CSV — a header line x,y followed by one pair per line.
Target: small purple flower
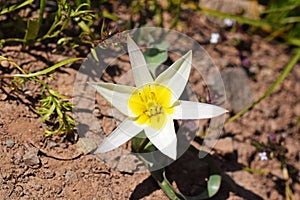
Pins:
x,y
246,62
271,137
229,22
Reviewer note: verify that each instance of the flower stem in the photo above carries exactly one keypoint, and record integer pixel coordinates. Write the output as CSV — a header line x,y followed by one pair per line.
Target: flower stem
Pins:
x,y
141,147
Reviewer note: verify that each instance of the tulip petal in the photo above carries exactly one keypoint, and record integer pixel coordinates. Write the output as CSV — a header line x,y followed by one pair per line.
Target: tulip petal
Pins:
x,y
165,139
124,132
177,75
141,73
117,95
196,110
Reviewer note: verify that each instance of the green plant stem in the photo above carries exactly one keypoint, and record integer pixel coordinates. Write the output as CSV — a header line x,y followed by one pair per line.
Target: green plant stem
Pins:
x,y
141,148
13,63
282,76
41,11
3,41
176,19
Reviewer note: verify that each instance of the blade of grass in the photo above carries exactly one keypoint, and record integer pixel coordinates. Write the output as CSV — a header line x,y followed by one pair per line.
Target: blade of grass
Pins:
x,y
49,69
290,20
281,9
282,76
15,7
294,41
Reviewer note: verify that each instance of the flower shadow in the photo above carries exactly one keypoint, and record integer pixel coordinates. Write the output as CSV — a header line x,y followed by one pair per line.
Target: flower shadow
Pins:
x,y
189,175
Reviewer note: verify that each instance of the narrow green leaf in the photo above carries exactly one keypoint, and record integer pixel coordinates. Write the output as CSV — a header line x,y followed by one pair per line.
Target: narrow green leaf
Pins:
x,y
59,113
15,7
281,8
94,54
49,69
84,27
110,16
32,30
56,94
165,185
49,113
290,20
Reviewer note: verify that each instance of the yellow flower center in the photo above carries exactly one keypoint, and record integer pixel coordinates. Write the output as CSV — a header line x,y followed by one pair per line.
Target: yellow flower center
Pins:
x,y
151,105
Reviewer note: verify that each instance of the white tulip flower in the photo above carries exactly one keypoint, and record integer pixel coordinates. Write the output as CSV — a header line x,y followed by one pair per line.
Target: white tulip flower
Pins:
x,y
153,104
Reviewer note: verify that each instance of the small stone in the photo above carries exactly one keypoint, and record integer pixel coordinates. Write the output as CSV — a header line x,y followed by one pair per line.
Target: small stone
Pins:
x,y
18,157
52,144
48,174
38,187
5,63
58,189
86,145
31,158
63,146
238,91
10,143
70,175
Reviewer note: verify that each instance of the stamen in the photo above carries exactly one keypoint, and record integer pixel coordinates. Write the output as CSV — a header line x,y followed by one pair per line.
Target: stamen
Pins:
x,y
146,105
141,97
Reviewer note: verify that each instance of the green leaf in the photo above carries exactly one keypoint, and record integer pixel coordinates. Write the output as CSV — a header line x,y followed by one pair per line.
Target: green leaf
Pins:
x,y
56,94
49,113
32,31
84,27
94,54
110,16
68,106
59,113
15,7
49,69
213,184
154,58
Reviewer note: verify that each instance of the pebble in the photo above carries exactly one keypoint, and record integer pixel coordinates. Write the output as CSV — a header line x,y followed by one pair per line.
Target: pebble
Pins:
x,y
38,187
70,175
58,189
10,143
48,174
5,63
238,91
52,144
86,145
31,158
18,157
